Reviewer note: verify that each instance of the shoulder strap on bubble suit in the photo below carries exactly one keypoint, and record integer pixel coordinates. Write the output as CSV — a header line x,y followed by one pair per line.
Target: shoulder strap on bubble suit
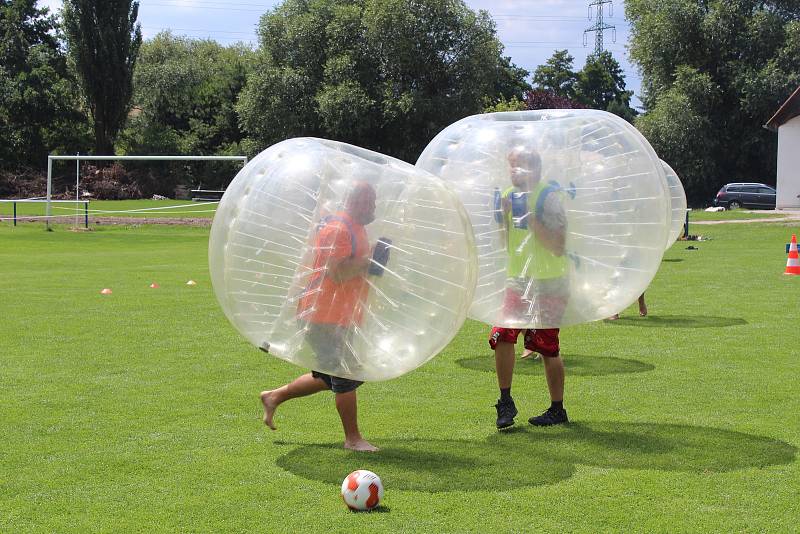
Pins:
x,y
551,187
348,224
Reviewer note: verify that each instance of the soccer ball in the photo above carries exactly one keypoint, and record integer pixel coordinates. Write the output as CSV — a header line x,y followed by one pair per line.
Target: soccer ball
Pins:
x,y
362,490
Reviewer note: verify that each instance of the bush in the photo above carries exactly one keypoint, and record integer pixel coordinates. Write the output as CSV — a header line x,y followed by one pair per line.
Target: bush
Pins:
x,y
109,183
22,183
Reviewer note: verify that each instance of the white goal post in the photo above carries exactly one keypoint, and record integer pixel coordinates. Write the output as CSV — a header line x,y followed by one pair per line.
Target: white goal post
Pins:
x,y
78,158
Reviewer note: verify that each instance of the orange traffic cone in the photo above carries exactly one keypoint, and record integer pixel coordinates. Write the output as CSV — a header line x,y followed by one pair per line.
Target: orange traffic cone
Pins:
x,y
793,263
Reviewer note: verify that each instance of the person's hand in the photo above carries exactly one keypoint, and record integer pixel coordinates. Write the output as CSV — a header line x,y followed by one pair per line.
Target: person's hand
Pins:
x,y
380,256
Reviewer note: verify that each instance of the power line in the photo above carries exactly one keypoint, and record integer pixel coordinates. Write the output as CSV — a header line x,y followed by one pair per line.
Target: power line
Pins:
x,y
210,7
198,30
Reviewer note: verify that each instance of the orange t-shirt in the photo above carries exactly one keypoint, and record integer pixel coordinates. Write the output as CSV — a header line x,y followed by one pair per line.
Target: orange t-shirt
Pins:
x,y
338,239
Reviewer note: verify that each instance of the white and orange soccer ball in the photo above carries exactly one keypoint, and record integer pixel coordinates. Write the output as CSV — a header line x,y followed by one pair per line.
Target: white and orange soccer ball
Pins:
x,y
362,490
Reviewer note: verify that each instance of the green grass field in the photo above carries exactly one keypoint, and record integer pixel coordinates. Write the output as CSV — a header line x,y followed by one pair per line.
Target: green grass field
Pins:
x,y
732,215
138,411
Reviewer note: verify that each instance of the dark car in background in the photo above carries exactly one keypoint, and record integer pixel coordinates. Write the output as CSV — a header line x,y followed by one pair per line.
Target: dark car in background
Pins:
x,y
746,195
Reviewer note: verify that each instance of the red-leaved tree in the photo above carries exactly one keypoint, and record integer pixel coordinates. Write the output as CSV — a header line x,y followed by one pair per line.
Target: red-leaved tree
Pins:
x,y
541,99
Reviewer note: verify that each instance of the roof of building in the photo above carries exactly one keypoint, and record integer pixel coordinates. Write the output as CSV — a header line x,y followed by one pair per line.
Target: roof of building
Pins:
x,y
789,110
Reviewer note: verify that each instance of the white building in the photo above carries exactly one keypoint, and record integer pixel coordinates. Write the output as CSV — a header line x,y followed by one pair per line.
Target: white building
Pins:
x,y
786,122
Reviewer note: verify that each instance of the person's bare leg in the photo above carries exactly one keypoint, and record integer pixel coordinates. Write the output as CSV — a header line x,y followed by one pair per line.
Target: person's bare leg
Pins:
x,y
300,387
504,363
642,306
347,407
554,372
613,317
527,353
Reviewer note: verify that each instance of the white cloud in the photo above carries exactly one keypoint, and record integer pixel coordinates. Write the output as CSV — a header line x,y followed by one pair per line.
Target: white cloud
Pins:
x,y
54,5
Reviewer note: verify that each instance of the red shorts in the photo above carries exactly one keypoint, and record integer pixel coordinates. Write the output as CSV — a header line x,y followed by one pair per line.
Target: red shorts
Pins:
x,y
541,340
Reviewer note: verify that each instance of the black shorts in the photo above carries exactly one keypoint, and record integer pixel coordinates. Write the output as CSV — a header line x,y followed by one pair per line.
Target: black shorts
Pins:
x,y
337,384
329,343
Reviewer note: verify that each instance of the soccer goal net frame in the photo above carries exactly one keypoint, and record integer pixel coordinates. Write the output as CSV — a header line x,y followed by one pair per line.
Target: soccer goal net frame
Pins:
x,y
78,158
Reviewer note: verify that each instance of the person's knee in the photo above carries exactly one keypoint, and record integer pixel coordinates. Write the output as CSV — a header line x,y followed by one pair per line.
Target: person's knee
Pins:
x,y
553,362
345,400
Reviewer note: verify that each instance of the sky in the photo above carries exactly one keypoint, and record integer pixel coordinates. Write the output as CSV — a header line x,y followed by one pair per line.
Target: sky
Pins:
x,y
530,30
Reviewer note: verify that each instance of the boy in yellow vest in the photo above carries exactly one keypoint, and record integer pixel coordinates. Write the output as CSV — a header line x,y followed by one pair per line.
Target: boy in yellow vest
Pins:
x,y
532,215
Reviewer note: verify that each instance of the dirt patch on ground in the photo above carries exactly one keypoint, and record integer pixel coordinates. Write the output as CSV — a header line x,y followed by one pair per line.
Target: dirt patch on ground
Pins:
x,y
180,221
127,221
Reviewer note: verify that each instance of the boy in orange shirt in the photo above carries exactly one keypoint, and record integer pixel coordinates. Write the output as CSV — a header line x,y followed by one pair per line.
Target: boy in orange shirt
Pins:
x,y
330,306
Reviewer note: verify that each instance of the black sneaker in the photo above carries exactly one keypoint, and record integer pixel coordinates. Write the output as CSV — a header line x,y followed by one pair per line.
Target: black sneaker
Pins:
x,y
506,412
552,416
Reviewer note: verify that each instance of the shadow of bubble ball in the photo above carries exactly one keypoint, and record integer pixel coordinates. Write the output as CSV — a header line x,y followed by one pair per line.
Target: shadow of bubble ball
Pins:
x,y
527,456
575,364
342,260
570,208
679,321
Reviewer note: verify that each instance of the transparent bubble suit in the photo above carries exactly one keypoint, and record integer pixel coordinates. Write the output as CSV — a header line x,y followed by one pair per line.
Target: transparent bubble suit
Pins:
x,y
297,213
601,191
678,203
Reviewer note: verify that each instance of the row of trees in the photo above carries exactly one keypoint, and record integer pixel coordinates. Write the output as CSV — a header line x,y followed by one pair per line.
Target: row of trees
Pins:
x,y
386,75
600,84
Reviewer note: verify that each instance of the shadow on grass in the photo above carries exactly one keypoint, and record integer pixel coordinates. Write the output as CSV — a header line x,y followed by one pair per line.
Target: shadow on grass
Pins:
x,y
575,364
528,456
679,321
672,260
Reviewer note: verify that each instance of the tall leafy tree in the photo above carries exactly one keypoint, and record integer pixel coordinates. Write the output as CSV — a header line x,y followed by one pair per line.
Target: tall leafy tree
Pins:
x,y
713,72
601,85
183,103
557,75
184,95
103,40
39,106
511,81
383,74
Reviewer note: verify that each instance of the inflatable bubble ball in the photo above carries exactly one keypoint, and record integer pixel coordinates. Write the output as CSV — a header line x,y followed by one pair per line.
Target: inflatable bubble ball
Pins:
x,y
569,208
678,203
342,260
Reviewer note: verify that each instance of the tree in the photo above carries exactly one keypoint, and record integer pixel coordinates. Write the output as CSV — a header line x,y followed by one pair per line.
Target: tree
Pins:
x,y
511,81
184,95
103,40
39,106
183,103
541,99
601,85
557,76
712,73
384,74
679,127
502,104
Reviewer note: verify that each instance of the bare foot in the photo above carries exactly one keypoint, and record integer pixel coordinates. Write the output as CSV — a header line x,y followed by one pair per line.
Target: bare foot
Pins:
x,y
269,408
643,311
527,353
361,445
613,317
